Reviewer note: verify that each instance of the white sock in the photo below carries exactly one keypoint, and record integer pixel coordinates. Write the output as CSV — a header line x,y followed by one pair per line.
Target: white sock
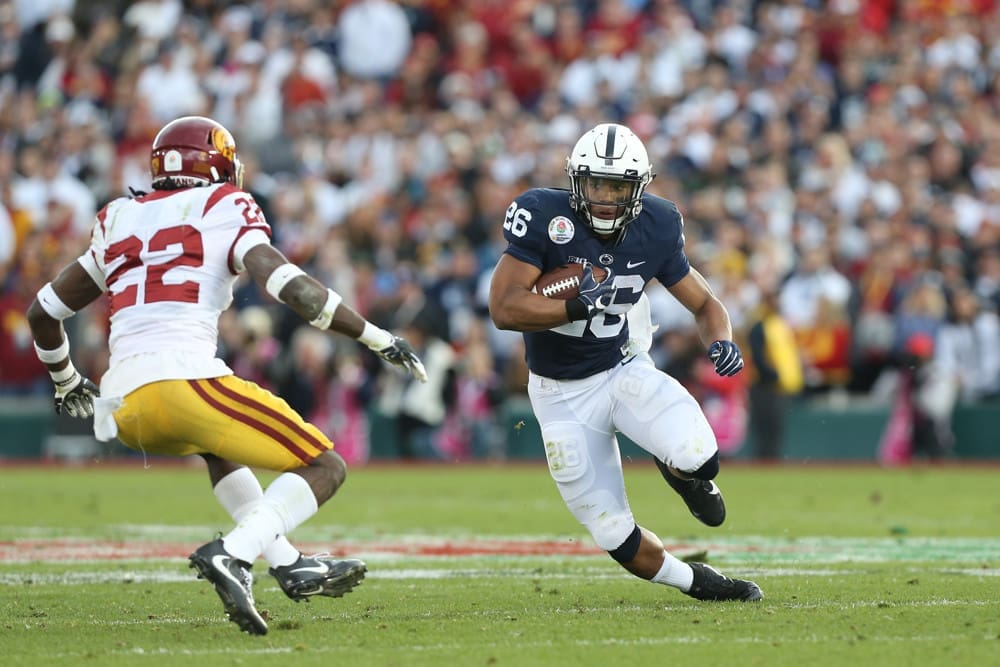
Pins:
x,y
237,492
287,502
674,572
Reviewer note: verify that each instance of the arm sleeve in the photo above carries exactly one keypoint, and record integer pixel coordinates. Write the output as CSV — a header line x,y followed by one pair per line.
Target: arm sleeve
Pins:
x,y
90,264
238,207
524,230
244,242
676,266
92,260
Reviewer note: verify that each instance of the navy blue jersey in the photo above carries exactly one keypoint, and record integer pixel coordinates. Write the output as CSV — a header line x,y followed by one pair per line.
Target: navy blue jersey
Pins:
x,y
541,229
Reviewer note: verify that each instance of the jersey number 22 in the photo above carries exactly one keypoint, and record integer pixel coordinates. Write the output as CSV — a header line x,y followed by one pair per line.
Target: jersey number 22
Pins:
x,y
154,289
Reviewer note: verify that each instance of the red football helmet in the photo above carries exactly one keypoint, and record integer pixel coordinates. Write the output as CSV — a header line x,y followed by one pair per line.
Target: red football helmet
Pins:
x,y
194,150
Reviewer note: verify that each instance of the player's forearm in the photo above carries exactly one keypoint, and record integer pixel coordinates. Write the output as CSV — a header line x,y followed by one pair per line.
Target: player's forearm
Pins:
x,y
525,311
348,321
315,303
713,322
72,290
47,332
308,298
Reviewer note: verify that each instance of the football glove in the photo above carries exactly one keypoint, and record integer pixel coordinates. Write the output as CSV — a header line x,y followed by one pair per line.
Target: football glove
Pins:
x,y
596,296
401,355
727,357
76,396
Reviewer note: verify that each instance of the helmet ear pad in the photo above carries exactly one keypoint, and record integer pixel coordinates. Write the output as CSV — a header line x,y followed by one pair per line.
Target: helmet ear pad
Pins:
x,y
609,152
194,150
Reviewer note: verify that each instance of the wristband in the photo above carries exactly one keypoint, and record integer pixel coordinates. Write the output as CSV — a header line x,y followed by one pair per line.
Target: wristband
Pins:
x,y
322,321
53,356
64,376
577,310
375,338
281,276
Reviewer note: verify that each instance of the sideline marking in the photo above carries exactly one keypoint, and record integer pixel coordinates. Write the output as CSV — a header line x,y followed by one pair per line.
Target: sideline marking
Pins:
x,y
745,550
160,576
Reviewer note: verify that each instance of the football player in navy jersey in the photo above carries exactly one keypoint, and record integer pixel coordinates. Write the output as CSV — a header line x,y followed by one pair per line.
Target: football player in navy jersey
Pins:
x,y
586,382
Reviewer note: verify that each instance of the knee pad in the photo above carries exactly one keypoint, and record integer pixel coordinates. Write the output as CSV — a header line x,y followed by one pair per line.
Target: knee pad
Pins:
x,y
709,469
566,451
629,548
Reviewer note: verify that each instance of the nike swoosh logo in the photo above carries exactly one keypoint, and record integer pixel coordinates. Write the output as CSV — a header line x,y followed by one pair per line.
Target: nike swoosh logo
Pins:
x,y
219,563
318,569
632,265
715,490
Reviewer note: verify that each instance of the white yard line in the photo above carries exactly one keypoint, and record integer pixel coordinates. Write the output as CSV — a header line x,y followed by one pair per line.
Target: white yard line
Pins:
x,y
714,639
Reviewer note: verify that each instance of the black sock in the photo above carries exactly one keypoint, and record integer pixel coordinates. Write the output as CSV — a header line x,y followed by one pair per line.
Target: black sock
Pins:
x,y
667,475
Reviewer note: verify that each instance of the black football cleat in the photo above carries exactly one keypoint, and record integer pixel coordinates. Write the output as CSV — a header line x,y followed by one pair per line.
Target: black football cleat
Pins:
x,y
233,583
319,575
701,496
710,584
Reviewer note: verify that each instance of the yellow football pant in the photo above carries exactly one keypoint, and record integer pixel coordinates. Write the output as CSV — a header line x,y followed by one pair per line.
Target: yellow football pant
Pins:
x,y
229,417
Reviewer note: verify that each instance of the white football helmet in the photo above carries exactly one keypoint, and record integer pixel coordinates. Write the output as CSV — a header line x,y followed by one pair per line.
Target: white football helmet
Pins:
x,y
608,172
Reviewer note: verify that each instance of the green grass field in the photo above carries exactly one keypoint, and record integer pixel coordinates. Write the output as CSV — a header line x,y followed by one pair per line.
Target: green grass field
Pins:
x,y
485,566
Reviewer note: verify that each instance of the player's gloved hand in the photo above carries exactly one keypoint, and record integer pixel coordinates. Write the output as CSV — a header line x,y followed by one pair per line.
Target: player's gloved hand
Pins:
x,y
76,396
400,353
727,357
595,296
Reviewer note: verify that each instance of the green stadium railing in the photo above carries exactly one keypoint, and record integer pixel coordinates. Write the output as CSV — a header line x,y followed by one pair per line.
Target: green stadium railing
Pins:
x,y
815,431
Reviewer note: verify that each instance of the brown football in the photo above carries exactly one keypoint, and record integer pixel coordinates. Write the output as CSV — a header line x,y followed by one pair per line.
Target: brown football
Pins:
x,y
564,282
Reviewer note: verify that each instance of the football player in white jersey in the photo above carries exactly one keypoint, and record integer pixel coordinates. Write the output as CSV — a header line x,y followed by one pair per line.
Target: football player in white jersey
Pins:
x,y
590,374
168,261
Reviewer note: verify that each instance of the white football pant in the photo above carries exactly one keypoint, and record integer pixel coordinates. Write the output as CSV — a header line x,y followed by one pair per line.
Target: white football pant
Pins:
x,y
579,419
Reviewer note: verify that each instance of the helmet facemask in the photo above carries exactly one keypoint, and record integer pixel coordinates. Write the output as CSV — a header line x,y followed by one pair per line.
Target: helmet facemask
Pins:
x,y
608,173
237,172
608,203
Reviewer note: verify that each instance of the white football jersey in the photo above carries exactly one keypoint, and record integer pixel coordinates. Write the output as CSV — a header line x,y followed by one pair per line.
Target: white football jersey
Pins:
x,y
168,261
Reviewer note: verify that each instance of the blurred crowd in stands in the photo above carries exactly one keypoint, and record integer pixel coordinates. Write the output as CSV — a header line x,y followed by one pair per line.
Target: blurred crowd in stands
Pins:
x,y
837,163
